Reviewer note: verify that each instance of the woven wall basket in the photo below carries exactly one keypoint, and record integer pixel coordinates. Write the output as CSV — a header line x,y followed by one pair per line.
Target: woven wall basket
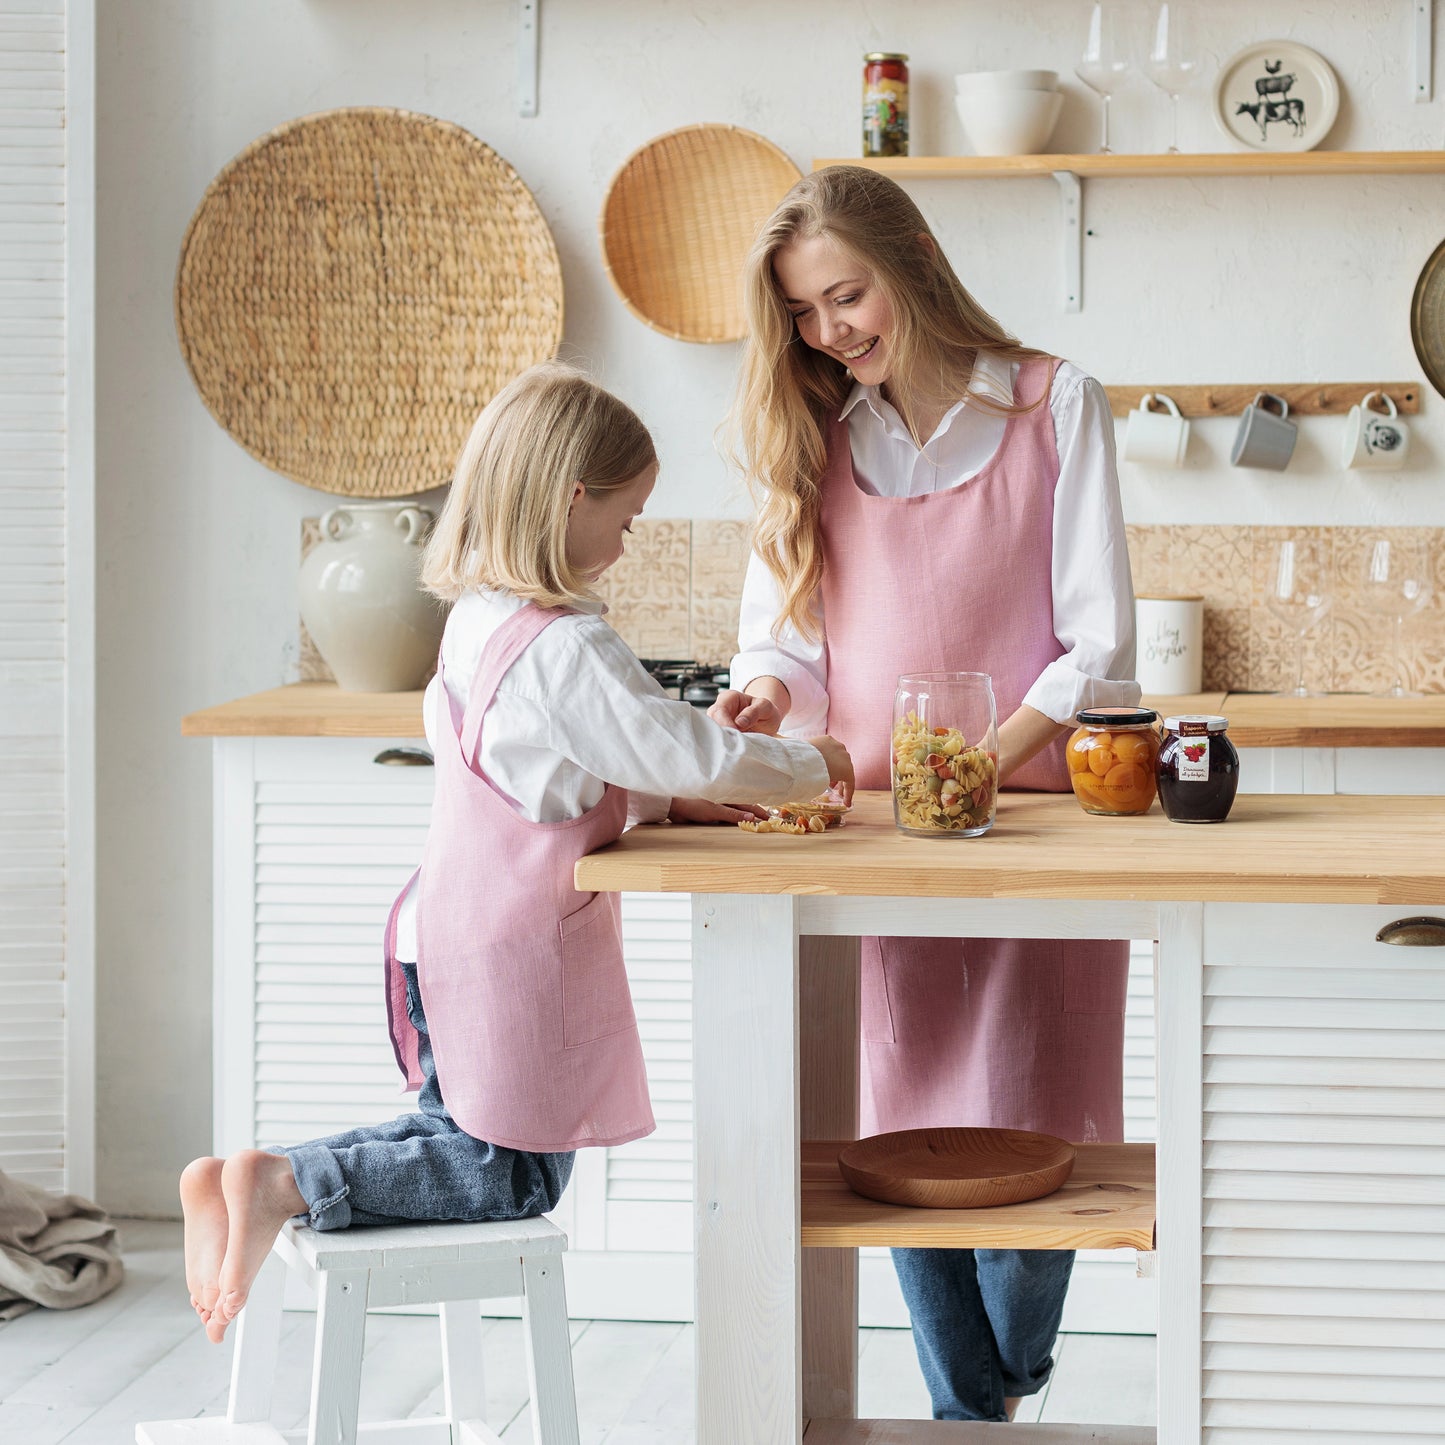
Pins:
x,y
354,287
677,223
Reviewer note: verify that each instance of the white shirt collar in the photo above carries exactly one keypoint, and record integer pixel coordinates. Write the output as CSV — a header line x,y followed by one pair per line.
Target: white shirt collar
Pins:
x,y
992,377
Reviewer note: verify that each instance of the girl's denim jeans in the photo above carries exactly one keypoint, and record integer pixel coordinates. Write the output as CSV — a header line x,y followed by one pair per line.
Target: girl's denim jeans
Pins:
x,y
984,1323
421,1166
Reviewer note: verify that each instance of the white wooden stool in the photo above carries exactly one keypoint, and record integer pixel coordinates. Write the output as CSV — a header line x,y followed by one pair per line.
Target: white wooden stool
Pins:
x,y
453,1265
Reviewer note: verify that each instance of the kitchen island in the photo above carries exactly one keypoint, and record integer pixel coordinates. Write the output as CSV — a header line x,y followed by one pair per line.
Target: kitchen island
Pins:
x,y
1301,1158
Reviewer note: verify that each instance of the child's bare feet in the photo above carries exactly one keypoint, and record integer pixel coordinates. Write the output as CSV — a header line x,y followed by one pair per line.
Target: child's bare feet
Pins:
x,y
204,1210
260,1195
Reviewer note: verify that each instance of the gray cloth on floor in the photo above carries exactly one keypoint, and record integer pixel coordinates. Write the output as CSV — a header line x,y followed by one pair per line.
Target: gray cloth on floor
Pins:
x,y
56,1250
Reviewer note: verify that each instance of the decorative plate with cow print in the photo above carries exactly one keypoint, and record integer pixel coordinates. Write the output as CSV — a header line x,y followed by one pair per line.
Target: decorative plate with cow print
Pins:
x,y
1277,96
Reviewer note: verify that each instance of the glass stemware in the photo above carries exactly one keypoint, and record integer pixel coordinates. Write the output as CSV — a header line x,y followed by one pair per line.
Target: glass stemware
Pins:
x,y
1106,59
1299,595
1172,63
1396,584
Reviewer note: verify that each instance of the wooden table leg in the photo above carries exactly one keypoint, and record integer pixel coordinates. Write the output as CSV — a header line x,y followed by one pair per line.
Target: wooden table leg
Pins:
x,y
828,1108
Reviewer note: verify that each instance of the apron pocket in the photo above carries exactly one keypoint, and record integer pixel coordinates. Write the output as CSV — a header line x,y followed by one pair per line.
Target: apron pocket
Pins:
x,y
596,1001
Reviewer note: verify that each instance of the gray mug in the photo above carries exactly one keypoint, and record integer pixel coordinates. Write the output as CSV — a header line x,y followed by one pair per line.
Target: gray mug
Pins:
x,y
1264,439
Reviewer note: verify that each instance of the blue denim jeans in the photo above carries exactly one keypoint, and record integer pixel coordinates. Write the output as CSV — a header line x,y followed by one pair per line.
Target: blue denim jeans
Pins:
x,y
984,1323
422,1166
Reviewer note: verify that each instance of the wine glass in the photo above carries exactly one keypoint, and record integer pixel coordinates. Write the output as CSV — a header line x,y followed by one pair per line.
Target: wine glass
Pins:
x,y
1299,595
1106,59
1396,584
1172,63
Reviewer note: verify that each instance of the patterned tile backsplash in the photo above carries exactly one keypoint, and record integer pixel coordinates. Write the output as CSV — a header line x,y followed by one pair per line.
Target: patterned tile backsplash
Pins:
x,y
675,594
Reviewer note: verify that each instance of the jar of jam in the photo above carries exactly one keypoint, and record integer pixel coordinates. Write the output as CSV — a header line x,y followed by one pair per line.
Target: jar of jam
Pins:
x,y
885,104
1198,769
1113,757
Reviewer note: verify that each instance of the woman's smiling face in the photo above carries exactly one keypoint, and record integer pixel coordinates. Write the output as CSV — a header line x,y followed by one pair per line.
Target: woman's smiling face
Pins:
x,y
836,305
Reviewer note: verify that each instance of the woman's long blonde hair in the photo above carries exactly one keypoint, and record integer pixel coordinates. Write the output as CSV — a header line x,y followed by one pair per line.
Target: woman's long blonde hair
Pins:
x,y
787,392
504,524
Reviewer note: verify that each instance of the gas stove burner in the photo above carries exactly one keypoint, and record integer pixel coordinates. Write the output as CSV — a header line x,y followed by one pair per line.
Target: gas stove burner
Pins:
x,y
688,680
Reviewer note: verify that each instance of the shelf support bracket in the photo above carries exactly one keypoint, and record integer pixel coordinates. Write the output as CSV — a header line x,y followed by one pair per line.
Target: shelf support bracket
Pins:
x,y
528,23
1424,49
1071,196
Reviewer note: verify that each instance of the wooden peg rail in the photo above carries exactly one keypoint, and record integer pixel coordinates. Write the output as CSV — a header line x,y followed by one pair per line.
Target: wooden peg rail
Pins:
x,y
1331,398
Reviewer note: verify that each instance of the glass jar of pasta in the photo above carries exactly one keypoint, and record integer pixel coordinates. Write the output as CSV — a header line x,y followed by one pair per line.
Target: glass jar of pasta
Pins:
x,y
944,754
1112,757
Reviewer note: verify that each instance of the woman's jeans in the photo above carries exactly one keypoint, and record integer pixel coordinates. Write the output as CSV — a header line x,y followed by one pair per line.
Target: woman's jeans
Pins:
x,y
422,1166
984,1323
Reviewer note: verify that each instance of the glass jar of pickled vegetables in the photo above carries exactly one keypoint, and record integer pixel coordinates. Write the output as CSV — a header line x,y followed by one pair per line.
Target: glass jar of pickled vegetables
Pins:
x,y
944,754
1113,757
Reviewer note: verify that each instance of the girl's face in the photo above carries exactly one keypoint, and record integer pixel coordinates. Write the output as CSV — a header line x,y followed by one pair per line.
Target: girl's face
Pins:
x,y
836,305
597,525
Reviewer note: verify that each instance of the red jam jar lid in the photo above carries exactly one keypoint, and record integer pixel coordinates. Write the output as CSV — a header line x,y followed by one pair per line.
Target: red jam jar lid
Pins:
x,y
1117,717
1207,722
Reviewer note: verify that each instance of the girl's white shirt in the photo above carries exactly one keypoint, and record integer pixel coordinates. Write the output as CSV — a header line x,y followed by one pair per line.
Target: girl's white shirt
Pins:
x,y
576,711
1093,592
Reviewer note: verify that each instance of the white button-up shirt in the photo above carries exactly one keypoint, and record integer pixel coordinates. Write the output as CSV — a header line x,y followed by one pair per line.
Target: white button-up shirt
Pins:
x,y
1093,593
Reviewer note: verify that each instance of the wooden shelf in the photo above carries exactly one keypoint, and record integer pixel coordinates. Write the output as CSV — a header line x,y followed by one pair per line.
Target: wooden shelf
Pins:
x,y
935,1432
1243,163
1108,1203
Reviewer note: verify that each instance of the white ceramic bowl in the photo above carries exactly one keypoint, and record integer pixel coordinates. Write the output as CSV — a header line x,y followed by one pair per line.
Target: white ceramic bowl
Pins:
x,y
1006,80
1009,122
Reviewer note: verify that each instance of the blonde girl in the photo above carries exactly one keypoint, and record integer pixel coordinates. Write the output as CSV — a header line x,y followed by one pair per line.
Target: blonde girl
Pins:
x,y
934,496
507,998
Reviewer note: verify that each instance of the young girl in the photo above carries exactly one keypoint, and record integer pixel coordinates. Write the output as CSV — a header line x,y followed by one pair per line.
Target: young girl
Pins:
x,y
934,496
506,991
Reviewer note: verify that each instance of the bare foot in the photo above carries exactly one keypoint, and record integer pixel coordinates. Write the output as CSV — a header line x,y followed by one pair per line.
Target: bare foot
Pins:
x,y
261,1195
204,1209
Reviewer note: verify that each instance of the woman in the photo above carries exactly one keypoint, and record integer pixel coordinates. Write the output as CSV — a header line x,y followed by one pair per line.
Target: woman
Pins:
x,y
933,496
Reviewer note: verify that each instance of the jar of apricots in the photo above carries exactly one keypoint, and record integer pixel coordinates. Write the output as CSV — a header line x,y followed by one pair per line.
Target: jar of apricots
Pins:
x,y
1112,757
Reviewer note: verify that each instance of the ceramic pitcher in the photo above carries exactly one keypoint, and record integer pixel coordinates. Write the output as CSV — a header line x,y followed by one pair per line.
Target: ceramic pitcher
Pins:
x,y
361,601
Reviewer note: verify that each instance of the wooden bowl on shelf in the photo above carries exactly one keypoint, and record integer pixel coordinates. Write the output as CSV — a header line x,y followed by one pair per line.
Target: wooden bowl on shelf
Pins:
x,y
957,1168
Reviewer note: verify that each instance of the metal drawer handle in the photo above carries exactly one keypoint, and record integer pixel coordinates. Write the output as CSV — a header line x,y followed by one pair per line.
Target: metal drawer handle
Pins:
x,y
407,758
1414,933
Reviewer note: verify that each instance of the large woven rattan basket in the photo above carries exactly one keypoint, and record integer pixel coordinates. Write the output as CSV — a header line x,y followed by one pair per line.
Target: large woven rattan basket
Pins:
x,y
677,223
354,287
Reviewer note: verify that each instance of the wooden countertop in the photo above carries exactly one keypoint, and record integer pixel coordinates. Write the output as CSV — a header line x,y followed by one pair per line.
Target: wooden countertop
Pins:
x,y
1258,720
1273,848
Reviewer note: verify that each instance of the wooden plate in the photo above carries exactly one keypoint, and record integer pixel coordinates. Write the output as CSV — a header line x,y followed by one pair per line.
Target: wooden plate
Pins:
x,y
957,1168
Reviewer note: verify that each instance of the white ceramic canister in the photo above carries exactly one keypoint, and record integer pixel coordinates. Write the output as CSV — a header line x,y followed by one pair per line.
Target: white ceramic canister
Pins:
x,y
1170,644
361,600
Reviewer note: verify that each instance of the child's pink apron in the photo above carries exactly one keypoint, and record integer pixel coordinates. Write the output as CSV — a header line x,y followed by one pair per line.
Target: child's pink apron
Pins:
x,y
522,980
1023,1034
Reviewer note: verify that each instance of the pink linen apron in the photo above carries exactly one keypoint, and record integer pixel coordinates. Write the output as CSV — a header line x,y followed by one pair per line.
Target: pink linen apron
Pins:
x,y
1014,1033
522,980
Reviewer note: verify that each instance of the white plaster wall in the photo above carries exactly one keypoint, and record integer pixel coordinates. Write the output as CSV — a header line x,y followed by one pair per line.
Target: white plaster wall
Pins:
x,y
1208,281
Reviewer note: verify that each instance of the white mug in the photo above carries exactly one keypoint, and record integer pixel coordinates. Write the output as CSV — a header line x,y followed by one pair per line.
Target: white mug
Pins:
x,y
1372,440
1170,657
1156,438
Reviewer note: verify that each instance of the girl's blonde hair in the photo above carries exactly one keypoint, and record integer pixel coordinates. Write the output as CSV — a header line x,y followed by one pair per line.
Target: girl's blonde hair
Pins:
x,y
504,524
787,392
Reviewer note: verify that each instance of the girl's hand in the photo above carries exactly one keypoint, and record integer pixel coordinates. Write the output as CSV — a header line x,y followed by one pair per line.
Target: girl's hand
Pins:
x,y
699,810
840,765
746,713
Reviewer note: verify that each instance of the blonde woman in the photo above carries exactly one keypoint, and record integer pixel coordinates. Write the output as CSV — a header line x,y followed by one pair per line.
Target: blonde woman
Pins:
x,y
933,496
507,997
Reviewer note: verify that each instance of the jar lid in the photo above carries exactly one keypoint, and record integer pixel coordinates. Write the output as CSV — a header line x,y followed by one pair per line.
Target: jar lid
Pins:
x,y
1209,721
1117,717
885,55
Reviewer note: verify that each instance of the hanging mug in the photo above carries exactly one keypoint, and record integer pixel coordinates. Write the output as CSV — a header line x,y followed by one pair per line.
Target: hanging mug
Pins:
x,y
1372,440
1265,437
1156,438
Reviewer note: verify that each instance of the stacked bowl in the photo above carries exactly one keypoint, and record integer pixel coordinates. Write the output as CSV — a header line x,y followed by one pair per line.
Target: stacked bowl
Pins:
x,y
1008,112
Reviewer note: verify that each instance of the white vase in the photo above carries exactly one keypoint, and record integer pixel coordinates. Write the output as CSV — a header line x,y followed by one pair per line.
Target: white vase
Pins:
x,y
361,600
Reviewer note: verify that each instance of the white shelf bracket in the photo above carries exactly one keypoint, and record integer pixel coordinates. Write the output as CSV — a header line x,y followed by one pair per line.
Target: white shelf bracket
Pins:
x,y
1071,195
528,23
1424,49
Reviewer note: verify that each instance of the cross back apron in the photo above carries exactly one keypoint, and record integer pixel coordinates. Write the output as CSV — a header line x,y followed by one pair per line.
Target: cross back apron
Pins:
x,y
1013,1033
522,980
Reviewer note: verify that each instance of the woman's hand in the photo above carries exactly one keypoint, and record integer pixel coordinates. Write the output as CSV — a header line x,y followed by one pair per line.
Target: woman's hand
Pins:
x,y
746,712
840,765
699,810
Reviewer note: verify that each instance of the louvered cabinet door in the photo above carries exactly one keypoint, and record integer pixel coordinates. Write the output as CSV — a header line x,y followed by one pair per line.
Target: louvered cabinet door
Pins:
x,y
1323,1275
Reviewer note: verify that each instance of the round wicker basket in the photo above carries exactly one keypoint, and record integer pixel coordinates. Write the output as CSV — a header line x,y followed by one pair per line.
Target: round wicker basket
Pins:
x,y
354,287
677,223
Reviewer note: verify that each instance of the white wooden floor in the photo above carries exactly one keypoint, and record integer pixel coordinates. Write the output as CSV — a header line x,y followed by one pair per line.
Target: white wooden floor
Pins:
x,y
86,1377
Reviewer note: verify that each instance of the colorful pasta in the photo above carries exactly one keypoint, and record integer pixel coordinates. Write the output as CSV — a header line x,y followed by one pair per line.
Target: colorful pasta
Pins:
x,y
941,782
